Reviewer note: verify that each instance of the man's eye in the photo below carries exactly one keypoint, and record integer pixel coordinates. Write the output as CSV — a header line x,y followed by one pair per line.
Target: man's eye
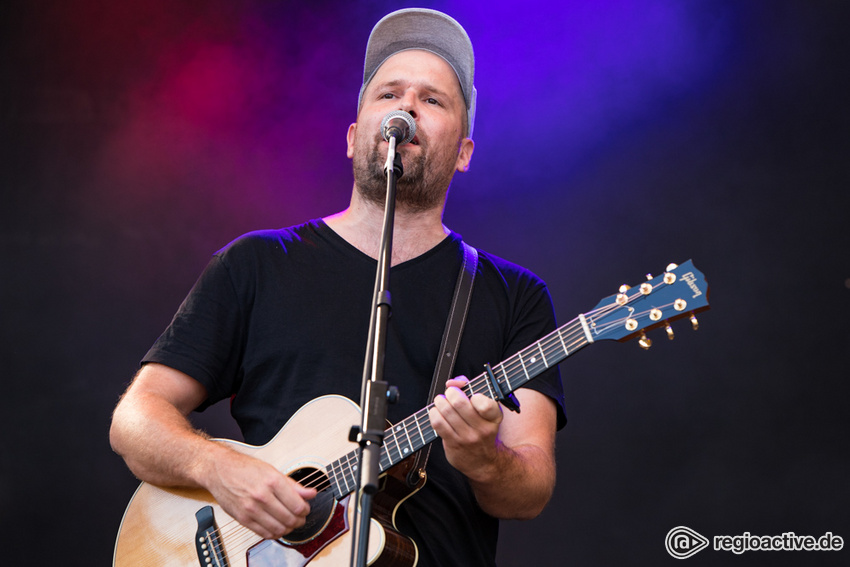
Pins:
x,y
432,101
388,95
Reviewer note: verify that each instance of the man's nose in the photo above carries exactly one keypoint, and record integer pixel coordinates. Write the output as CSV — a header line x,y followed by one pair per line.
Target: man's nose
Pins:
x,y
409,103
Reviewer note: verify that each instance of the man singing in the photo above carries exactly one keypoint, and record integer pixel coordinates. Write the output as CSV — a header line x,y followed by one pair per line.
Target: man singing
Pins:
x,y
280,317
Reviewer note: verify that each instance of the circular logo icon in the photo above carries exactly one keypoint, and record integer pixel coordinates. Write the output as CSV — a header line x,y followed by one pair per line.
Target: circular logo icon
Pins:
x,y
682,542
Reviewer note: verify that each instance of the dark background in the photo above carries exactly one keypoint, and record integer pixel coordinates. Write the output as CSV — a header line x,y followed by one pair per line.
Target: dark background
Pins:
x,y
612,138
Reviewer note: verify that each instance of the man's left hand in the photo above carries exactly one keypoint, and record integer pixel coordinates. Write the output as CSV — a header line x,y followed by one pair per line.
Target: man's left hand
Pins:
x,y
469,428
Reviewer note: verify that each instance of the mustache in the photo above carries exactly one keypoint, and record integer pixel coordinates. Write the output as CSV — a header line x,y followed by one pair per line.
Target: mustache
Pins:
x,y
421,139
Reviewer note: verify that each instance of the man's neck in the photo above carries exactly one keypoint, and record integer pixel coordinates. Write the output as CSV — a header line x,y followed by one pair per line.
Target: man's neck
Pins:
x,y
414,233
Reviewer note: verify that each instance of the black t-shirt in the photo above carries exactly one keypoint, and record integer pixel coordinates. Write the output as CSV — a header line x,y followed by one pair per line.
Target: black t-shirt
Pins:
x,y
281,317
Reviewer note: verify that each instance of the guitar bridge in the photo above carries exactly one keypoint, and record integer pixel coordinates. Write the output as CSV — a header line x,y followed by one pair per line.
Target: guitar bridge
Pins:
x,y
207,540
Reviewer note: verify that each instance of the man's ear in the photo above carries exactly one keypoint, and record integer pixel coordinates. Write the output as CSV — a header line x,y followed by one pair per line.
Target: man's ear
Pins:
x,y
464,155
349,140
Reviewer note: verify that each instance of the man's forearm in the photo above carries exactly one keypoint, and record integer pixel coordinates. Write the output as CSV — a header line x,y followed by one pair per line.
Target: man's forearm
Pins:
x,y
517,485
158,443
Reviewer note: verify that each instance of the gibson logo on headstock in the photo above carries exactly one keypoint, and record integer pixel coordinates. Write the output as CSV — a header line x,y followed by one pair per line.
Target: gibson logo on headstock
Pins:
x,y
690,279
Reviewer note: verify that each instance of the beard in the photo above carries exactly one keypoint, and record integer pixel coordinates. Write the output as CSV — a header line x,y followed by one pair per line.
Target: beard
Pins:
x,y
424,184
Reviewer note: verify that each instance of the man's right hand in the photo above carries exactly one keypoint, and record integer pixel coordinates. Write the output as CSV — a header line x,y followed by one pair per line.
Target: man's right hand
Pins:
x,y
257,495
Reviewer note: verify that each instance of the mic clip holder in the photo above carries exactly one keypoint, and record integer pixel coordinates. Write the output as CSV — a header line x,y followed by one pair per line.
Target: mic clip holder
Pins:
x,y
393,162
379,390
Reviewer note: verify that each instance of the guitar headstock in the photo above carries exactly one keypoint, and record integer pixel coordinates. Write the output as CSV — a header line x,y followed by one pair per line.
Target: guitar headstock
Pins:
x,y
681,291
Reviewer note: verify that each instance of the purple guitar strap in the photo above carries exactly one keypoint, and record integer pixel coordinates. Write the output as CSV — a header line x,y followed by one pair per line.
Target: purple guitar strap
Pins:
x,y
450,345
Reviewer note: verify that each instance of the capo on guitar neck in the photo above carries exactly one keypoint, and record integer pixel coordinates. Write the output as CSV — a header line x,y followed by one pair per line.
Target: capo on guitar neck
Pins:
x,y
508,400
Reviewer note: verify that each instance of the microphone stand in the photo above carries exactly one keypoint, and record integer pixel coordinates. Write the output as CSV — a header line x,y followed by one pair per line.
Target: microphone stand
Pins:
x,y
375,393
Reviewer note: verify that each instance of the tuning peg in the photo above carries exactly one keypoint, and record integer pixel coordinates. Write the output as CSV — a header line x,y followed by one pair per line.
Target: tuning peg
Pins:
x,y
669,330
648,277
669,276
694,322
644,341
622,298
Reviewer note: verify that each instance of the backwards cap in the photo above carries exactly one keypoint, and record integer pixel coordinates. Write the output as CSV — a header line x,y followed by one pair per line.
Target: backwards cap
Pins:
x,y
420,28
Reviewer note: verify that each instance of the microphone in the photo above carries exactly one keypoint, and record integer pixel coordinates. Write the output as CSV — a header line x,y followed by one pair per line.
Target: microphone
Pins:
x,y
400,125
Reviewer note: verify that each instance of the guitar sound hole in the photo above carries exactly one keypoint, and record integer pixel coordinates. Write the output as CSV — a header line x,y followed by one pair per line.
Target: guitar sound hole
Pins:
x,y
321,507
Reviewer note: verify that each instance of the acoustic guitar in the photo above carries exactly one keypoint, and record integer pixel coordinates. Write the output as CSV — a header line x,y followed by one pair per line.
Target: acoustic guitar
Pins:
x,y
164,527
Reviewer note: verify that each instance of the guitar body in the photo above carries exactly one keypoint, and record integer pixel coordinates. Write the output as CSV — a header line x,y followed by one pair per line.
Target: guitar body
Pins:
x,y
162,527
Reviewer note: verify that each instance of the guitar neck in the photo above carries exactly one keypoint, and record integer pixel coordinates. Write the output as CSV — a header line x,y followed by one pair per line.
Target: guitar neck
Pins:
x,y
415,432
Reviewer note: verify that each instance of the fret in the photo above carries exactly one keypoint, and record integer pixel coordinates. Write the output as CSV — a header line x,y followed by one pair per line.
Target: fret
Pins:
x,y
353,460
340,476
540,348
335,479
429,431
563,344
481,384
553,349
420,430
534,367
409,443
408,426
385,461
524,369
493,395
397,446
346,474
507,379
468,390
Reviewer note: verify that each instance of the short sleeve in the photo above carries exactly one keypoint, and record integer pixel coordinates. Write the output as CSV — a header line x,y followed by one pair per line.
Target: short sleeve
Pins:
x,y
205,337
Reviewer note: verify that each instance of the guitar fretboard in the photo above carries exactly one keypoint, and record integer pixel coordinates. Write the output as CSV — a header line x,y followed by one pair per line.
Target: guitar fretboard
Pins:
x,y
415,432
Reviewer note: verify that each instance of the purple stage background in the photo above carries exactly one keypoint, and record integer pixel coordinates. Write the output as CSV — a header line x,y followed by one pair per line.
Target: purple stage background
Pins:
x,y
612,138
